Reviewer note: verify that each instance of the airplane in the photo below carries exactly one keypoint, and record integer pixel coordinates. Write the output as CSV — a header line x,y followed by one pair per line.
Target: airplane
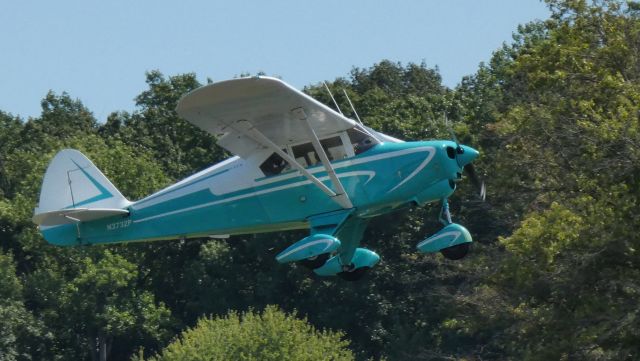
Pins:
x,y
298,164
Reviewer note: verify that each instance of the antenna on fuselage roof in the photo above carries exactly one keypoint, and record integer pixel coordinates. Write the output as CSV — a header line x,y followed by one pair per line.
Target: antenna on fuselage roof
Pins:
x,y
332,98
352,107
362,126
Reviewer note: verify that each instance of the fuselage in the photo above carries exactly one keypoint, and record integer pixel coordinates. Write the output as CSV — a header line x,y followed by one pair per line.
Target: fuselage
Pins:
x,y
236,197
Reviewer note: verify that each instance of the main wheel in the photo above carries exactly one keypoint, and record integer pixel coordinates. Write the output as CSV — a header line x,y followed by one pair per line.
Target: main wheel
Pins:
x,y
354,275
456,252
315,262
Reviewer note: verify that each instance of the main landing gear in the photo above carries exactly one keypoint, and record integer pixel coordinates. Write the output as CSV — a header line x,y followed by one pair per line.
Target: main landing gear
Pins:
x,y
336,252
361,262
352,274
315,262
348,273
326,255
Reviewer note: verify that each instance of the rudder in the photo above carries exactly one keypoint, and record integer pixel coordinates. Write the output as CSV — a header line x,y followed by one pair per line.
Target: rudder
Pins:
x,y
73,183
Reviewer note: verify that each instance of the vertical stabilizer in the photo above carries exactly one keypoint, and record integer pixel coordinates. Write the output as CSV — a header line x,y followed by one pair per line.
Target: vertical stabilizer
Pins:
x,y
73,182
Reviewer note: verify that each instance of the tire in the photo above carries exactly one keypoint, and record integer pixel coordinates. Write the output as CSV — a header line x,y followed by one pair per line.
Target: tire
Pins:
x,y
456,252
354,275
315,262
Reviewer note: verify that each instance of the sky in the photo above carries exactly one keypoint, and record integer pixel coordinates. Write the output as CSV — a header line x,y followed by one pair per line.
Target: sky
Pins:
x,y
99,51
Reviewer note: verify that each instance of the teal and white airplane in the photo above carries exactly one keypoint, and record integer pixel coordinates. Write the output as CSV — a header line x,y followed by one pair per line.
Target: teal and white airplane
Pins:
x,y
298,164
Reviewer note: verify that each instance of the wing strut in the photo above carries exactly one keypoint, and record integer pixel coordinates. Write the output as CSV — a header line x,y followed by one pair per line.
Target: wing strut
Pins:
x,y
250,131
342,196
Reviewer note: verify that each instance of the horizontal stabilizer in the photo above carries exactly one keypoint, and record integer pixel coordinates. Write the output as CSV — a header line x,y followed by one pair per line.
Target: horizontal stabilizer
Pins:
x,y
74,215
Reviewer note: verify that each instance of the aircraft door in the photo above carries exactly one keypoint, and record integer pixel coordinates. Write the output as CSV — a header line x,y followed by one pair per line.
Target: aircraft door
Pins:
x,y
339,151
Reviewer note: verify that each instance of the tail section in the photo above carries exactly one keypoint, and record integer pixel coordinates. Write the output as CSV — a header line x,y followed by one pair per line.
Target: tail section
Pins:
x,y
74,190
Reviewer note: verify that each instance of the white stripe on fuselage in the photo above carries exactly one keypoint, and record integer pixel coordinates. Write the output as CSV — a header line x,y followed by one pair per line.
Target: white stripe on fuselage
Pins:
x,y
348,163
185,187
270,180
415,171
370,174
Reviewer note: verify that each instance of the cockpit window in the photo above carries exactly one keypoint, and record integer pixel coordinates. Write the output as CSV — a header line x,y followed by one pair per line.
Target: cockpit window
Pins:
x,y
361,141
305,155
334,148
274,165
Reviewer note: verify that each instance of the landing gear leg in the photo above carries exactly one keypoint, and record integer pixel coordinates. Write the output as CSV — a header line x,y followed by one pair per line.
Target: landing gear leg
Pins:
x,y
445,215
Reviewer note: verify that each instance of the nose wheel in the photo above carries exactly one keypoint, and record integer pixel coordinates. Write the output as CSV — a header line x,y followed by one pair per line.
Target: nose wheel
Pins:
x,y
457,252
452,241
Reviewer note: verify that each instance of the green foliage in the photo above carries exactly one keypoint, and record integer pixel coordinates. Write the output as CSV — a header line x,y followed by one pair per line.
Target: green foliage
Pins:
x,y
269,335
63,117
554,274
10,128
564,126
180,147
406,102
20,332
106,299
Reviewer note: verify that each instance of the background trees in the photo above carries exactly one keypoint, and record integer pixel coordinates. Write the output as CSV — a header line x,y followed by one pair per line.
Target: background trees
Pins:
x,y
554,273
268,335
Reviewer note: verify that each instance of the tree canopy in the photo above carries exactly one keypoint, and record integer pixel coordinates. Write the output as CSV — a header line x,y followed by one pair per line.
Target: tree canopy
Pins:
x,y
250,336
554,273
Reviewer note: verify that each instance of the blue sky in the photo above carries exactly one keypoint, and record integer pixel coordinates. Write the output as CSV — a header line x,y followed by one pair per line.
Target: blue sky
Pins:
x,y
98,51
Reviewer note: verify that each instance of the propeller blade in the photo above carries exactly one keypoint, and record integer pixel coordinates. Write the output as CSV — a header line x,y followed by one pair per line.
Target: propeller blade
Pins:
x,y
450,129
476,181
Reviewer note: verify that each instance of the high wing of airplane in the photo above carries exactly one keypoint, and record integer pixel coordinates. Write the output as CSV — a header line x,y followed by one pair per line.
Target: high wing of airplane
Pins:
x,y
298,164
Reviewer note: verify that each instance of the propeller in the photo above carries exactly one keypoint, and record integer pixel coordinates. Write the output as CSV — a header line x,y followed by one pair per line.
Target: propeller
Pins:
x,y
468,168
476,181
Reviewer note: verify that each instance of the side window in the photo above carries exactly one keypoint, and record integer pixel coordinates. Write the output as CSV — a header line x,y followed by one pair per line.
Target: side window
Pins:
x,y
334,148
361,141
305,155
274,165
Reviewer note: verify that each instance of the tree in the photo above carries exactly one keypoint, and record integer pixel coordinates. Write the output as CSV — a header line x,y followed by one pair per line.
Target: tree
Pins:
x,y
10,128
56,283
563,284
102,303
555,115
21,334
180,147
269,335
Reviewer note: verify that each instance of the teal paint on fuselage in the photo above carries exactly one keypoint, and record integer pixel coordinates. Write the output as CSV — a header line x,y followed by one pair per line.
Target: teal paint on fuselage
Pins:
x,y
378,180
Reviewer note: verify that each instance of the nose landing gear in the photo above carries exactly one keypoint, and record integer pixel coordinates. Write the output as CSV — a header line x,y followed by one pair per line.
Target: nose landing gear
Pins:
x,y
452,241
457,252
